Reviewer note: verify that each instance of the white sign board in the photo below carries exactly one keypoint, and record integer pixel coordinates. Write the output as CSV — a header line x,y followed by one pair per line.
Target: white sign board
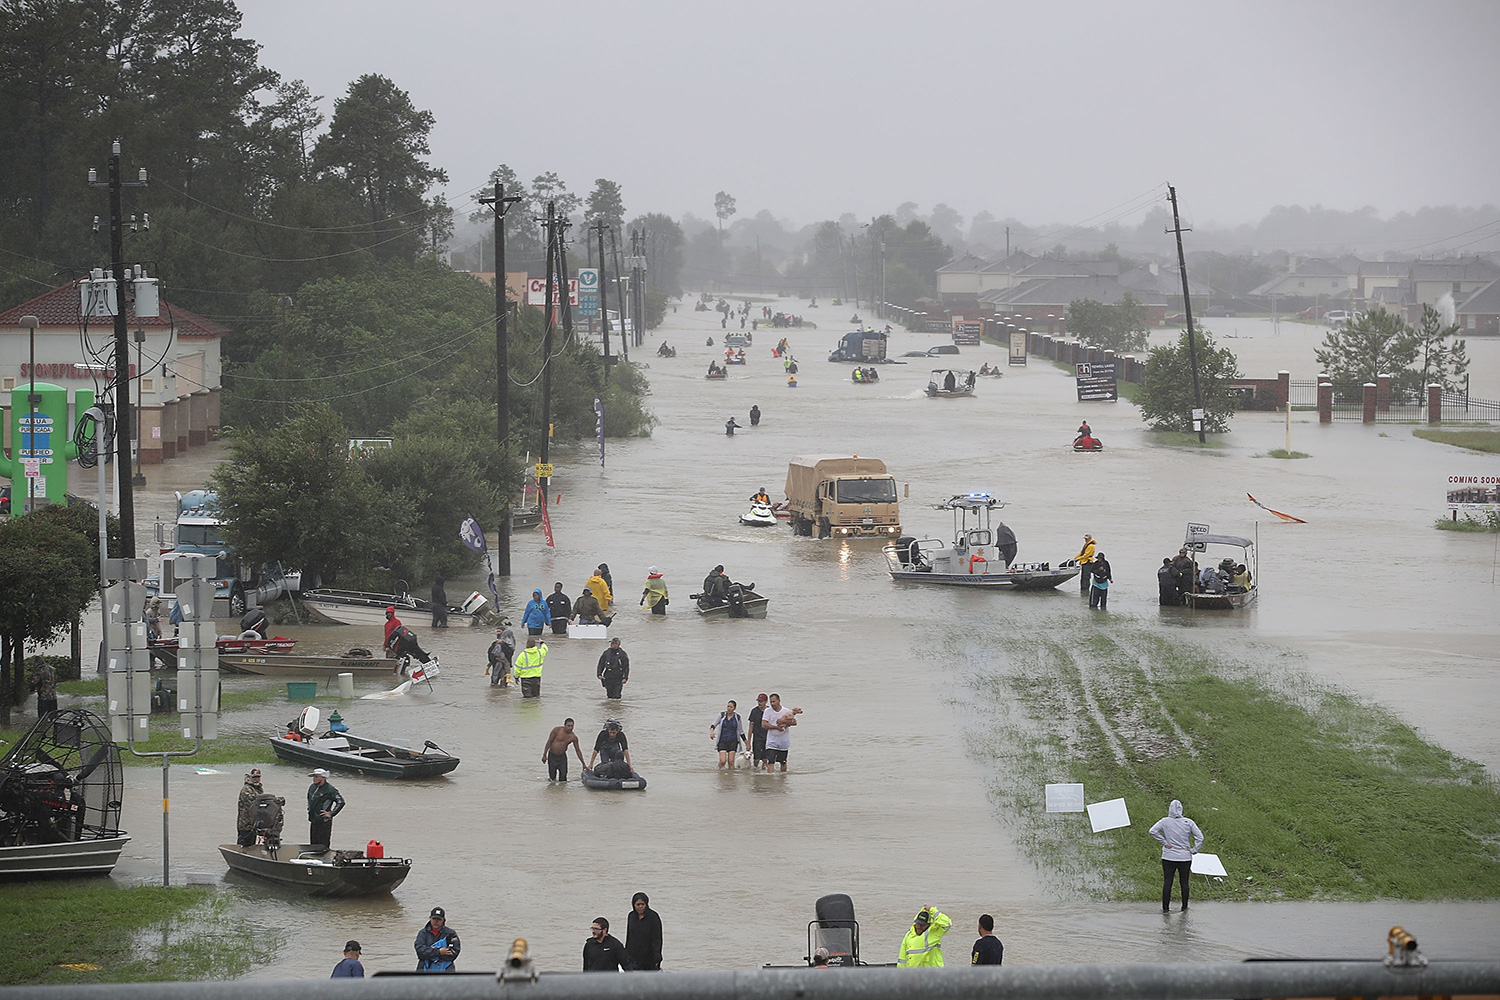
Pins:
x,y
1065,798
1108,815
1208,864
1194,529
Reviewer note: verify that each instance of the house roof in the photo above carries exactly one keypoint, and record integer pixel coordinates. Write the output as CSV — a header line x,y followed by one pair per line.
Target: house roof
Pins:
x,y
967,264
1167,281
1485,302
63,307
1056,267
1016,262
1061,291
1460,269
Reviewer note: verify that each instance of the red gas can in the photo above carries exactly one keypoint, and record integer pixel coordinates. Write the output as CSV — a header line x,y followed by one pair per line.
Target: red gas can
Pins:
x,y
374,849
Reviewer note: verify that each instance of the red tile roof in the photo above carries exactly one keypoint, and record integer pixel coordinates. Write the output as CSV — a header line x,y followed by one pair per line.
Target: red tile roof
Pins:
x,y
62,306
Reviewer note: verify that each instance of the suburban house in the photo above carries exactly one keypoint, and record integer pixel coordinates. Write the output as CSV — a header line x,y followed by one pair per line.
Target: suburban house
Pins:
x,y
1480,311
1309,278
1043,302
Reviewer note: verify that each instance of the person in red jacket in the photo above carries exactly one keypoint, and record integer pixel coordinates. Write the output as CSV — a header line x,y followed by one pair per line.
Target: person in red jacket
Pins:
x,y
401,641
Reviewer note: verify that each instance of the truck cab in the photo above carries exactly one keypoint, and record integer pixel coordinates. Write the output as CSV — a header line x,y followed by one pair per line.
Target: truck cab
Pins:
x,y
861,346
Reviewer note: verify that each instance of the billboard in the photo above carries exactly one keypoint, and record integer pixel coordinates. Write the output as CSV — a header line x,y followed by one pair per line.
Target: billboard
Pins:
x,y
1474,492
1096,382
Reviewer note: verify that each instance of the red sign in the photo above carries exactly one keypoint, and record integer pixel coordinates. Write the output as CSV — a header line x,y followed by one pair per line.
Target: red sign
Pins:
x,y
67,369
536,292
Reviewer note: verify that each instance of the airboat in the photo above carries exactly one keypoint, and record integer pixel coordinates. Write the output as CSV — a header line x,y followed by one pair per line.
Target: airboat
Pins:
x,y
978,556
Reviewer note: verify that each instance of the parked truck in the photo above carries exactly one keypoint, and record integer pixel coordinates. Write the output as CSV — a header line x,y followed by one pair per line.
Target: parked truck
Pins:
x,y
197,531
842,496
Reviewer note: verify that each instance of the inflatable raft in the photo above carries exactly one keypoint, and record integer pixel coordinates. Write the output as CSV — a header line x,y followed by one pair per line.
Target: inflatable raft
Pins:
x,y
633,783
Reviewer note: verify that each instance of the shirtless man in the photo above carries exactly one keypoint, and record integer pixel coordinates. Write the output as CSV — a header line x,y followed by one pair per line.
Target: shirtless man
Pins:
x,y
555,753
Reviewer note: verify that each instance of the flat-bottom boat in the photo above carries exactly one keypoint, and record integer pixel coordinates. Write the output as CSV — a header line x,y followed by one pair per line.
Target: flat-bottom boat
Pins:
x,y
749,605
949,384
357,607
1231,598
297,665
318,872
73,857
978,556
344,751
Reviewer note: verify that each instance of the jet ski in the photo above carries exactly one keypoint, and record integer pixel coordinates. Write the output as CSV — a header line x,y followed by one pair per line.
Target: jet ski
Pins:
x,y
759,515
1087,442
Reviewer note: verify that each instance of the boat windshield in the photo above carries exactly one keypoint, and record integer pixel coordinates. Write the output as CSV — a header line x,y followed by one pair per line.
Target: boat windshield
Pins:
x,y
866,491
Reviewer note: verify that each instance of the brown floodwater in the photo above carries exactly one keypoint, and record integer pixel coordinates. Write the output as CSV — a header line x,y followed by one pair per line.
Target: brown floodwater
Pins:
x,y
884,800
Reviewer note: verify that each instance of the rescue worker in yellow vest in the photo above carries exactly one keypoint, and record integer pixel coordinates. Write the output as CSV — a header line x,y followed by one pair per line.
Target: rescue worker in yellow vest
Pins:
x,y
527,669
923,944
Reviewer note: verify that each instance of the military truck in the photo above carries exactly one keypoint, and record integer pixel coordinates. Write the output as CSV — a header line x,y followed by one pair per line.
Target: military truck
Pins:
x,y
842,496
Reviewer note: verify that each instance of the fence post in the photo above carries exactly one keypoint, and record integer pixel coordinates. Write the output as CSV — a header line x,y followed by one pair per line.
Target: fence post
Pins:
x,y
1383,393
1325,400
1369,403
1434,403
1284,387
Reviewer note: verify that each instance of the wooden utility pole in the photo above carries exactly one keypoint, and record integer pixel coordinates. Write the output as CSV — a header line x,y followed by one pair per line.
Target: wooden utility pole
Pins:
x,y
599,228
1187,309
543,451
499,203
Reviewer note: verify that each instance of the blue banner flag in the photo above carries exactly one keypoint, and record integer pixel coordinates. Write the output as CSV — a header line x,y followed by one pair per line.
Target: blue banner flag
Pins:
x,y
472,535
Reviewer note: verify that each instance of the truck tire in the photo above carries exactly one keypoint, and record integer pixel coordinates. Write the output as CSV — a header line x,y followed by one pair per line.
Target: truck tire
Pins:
x,y
825,529
237,605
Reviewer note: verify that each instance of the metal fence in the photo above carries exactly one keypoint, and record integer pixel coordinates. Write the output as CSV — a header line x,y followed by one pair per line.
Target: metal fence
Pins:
x,y
1458,408
1303,393
1403,408
1067,982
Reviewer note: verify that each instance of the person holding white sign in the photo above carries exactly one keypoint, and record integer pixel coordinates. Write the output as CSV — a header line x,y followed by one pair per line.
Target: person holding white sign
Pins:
x,y
1180,839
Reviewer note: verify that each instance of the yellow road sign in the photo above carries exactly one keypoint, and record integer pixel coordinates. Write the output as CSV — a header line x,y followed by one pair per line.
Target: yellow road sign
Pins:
x,y
544,471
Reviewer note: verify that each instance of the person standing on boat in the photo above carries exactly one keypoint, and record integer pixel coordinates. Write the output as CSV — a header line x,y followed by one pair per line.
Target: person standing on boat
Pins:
x,y
614,669
1169,593
528,667
654,596
437,944
560,608
538,613
599,585
555,752
439,602
1085,559
1180,839
1099,586
501,652
1186,572
402,641
323,803
244,826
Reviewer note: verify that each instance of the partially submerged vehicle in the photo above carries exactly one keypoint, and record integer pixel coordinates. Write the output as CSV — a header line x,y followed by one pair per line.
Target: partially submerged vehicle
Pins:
x,y
842,495
344,751
863,346
949,383
978,556
1232,596
61,788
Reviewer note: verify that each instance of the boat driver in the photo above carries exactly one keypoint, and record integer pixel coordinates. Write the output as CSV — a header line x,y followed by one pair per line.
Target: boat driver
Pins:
x,y
612,751
761,496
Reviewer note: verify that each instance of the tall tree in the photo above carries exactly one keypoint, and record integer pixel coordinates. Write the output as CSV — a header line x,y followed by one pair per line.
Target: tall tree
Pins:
x,y
723,207
1375,344
1120,327
377,142
550,187
664,244
1444,358
605,202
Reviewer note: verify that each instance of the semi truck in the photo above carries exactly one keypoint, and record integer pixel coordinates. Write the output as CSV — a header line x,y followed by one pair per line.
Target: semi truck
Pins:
x,y
861,347
197,531
842,496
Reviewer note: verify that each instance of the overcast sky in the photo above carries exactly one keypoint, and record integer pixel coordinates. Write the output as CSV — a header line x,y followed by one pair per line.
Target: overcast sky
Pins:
x,y
1049,112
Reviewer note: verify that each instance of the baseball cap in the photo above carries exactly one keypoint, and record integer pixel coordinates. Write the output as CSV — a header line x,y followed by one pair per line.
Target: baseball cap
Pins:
x,y
352,946
254,773
317,771
761,696
437,911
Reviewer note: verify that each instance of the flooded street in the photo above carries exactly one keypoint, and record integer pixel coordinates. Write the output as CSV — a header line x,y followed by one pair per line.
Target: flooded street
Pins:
x,y
884,799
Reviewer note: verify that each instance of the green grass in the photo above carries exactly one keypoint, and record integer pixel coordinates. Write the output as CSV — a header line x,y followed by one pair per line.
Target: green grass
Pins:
x,y
133,934
1469,523
1184,439
1131,392
1283,453
1485,441
1305,793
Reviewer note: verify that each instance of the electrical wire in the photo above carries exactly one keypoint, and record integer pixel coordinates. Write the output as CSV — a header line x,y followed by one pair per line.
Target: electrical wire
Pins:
x,y
353,228
283,260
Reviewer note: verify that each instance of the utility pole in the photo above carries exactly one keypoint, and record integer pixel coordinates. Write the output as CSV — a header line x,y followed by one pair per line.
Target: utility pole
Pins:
x,y
124,429
139,479
880,310
566,296
1200,418
599,228
499,203
551,224
874,250
1007,242
637,288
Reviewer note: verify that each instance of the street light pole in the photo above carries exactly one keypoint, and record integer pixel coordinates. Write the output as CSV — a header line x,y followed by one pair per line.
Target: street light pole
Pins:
x,y
31,323
139,479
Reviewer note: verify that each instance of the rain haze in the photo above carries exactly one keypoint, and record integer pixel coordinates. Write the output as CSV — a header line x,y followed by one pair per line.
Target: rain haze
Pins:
x,y
1044,113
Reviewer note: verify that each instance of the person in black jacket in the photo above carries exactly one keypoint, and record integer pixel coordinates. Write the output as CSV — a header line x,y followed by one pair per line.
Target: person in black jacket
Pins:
x,y
643,934
561,608
439,604
603,952
436,944
614,669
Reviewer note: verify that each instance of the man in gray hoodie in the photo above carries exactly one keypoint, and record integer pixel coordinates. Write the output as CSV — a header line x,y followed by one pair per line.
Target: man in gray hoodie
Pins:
x,y
1180,839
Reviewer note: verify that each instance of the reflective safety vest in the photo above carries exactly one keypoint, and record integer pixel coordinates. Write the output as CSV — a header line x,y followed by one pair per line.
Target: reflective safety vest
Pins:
x,y
529,661
925,949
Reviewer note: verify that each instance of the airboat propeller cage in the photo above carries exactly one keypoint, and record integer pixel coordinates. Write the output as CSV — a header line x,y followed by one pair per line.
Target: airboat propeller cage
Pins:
x,y
62,781
835,929
307,721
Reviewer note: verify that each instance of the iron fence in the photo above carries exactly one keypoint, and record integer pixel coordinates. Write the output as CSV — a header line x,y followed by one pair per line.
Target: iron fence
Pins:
x,y
1459,408
1303,393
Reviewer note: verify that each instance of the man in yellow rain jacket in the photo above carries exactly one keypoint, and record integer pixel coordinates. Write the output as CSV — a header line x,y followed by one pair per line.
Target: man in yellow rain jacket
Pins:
x,y
1085,559
600,589
527,668
923,944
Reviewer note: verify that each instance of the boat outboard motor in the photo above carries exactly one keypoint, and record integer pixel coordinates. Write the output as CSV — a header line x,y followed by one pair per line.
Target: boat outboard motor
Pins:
x,y
909,552
736,597
268,818
254,621
1005,543
835,929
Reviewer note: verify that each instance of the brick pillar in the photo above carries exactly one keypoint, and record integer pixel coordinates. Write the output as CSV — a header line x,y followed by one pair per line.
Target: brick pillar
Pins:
x,y
1108,357
198,417
1383,393
1284,388
169,430
1325,402
150,427
1434,403
184,421
1369,401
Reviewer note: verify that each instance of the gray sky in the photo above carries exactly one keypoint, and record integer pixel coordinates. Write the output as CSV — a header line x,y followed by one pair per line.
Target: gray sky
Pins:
x,y
1049,112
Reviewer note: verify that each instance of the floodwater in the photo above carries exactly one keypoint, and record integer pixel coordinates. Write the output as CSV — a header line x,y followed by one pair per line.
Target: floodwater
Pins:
x,y
883,800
